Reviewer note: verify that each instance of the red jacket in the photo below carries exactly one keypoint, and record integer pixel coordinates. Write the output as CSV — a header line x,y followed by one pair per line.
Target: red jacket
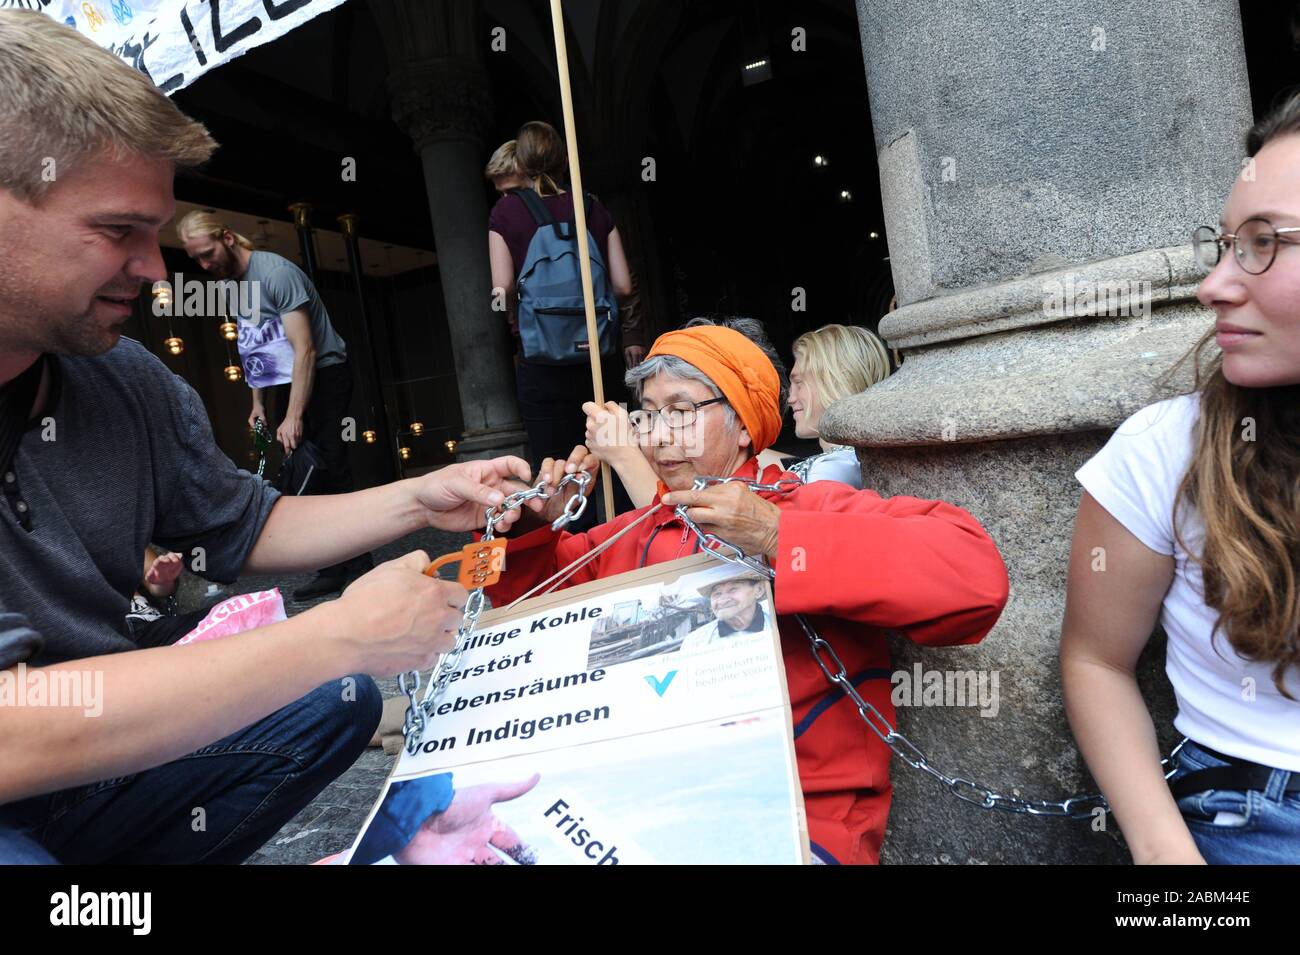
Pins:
x,y
857,565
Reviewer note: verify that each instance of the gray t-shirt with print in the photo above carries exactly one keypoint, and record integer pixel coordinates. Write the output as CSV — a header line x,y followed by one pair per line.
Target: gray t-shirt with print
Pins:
x,y
121,456
282,287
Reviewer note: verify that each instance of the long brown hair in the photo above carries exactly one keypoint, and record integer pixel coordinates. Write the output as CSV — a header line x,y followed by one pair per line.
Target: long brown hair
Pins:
x,y
1247,491
541,156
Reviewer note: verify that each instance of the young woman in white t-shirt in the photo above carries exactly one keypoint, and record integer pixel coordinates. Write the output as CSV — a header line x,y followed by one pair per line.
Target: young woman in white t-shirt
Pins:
x,y
1191,518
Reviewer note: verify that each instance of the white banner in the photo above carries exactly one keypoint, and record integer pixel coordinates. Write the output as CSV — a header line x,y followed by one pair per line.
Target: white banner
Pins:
x,y
604,726
174,42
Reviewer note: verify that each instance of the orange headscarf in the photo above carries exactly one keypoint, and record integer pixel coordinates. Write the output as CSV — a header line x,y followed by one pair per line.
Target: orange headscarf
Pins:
x,y
739,368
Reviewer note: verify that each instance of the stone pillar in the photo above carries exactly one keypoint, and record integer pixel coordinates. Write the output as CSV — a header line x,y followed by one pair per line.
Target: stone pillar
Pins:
x,y
440,96
1041,177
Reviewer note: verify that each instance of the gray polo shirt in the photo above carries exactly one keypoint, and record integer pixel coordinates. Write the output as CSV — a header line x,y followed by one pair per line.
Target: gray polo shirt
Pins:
x,y
283,287
121,456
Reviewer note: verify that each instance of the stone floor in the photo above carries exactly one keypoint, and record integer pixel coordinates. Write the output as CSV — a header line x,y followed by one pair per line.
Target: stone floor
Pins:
x,y
331,822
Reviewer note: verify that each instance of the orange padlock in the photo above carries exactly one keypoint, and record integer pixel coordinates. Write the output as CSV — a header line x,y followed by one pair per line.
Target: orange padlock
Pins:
x,y
481,563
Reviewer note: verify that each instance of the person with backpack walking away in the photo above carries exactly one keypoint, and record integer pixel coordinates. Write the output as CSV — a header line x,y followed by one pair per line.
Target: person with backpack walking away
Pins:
x,y
535,273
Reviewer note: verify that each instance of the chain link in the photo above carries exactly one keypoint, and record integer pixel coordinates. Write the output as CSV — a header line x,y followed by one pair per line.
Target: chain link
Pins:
x,y
1075,807
783,486
418,712
716,545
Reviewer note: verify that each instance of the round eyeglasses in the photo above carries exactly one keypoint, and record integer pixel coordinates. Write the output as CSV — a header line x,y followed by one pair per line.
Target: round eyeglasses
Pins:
x,y
676,416
1254,244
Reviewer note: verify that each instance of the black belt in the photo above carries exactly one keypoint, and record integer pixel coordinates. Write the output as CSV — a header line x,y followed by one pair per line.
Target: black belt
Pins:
x,y
1240,774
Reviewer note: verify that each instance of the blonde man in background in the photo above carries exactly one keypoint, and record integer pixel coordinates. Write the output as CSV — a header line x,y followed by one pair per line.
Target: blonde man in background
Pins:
x,y
295,363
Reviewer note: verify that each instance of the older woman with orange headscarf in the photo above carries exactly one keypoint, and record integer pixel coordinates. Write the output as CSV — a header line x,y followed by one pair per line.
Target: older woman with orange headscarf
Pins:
x,y
612,438
856,565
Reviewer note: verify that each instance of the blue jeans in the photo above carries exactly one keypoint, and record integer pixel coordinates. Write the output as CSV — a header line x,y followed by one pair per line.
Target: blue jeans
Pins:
x,y
218,804
1264,827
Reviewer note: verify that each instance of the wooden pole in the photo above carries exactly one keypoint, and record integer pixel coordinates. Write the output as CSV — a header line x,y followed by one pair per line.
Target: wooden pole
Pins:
x,y
580,219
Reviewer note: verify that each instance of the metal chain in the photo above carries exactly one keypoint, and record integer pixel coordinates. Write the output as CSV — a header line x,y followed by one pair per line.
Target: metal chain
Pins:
x,y
783,486
418,713
1075,807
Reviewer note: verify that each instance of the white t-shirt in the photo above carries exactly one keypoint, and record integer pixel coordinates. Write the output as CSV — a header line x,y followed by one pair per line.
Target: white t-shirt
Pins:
x,y
838,464
1135,477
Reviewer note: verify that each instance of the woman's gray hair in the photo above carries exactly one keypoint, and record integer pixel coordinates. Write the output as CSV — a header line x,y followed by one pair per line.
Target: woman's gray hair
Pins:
x,y
677,368
751,328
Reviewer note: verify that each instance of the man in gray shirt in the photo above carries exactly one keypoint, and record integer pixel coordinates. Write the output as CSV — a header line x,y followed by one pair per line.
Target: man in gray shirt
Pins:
x,y
287,345
169,754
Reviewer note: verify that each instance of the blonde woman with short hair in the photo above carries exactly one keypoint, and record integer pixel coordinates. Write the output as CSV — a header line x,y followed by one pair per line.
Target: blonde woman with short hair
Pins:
x,y
830,363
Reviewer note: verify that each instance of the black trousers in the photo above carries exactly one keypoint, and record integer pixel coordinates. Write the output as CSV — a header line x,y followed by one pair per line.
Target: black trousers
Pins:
x,y
322,424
